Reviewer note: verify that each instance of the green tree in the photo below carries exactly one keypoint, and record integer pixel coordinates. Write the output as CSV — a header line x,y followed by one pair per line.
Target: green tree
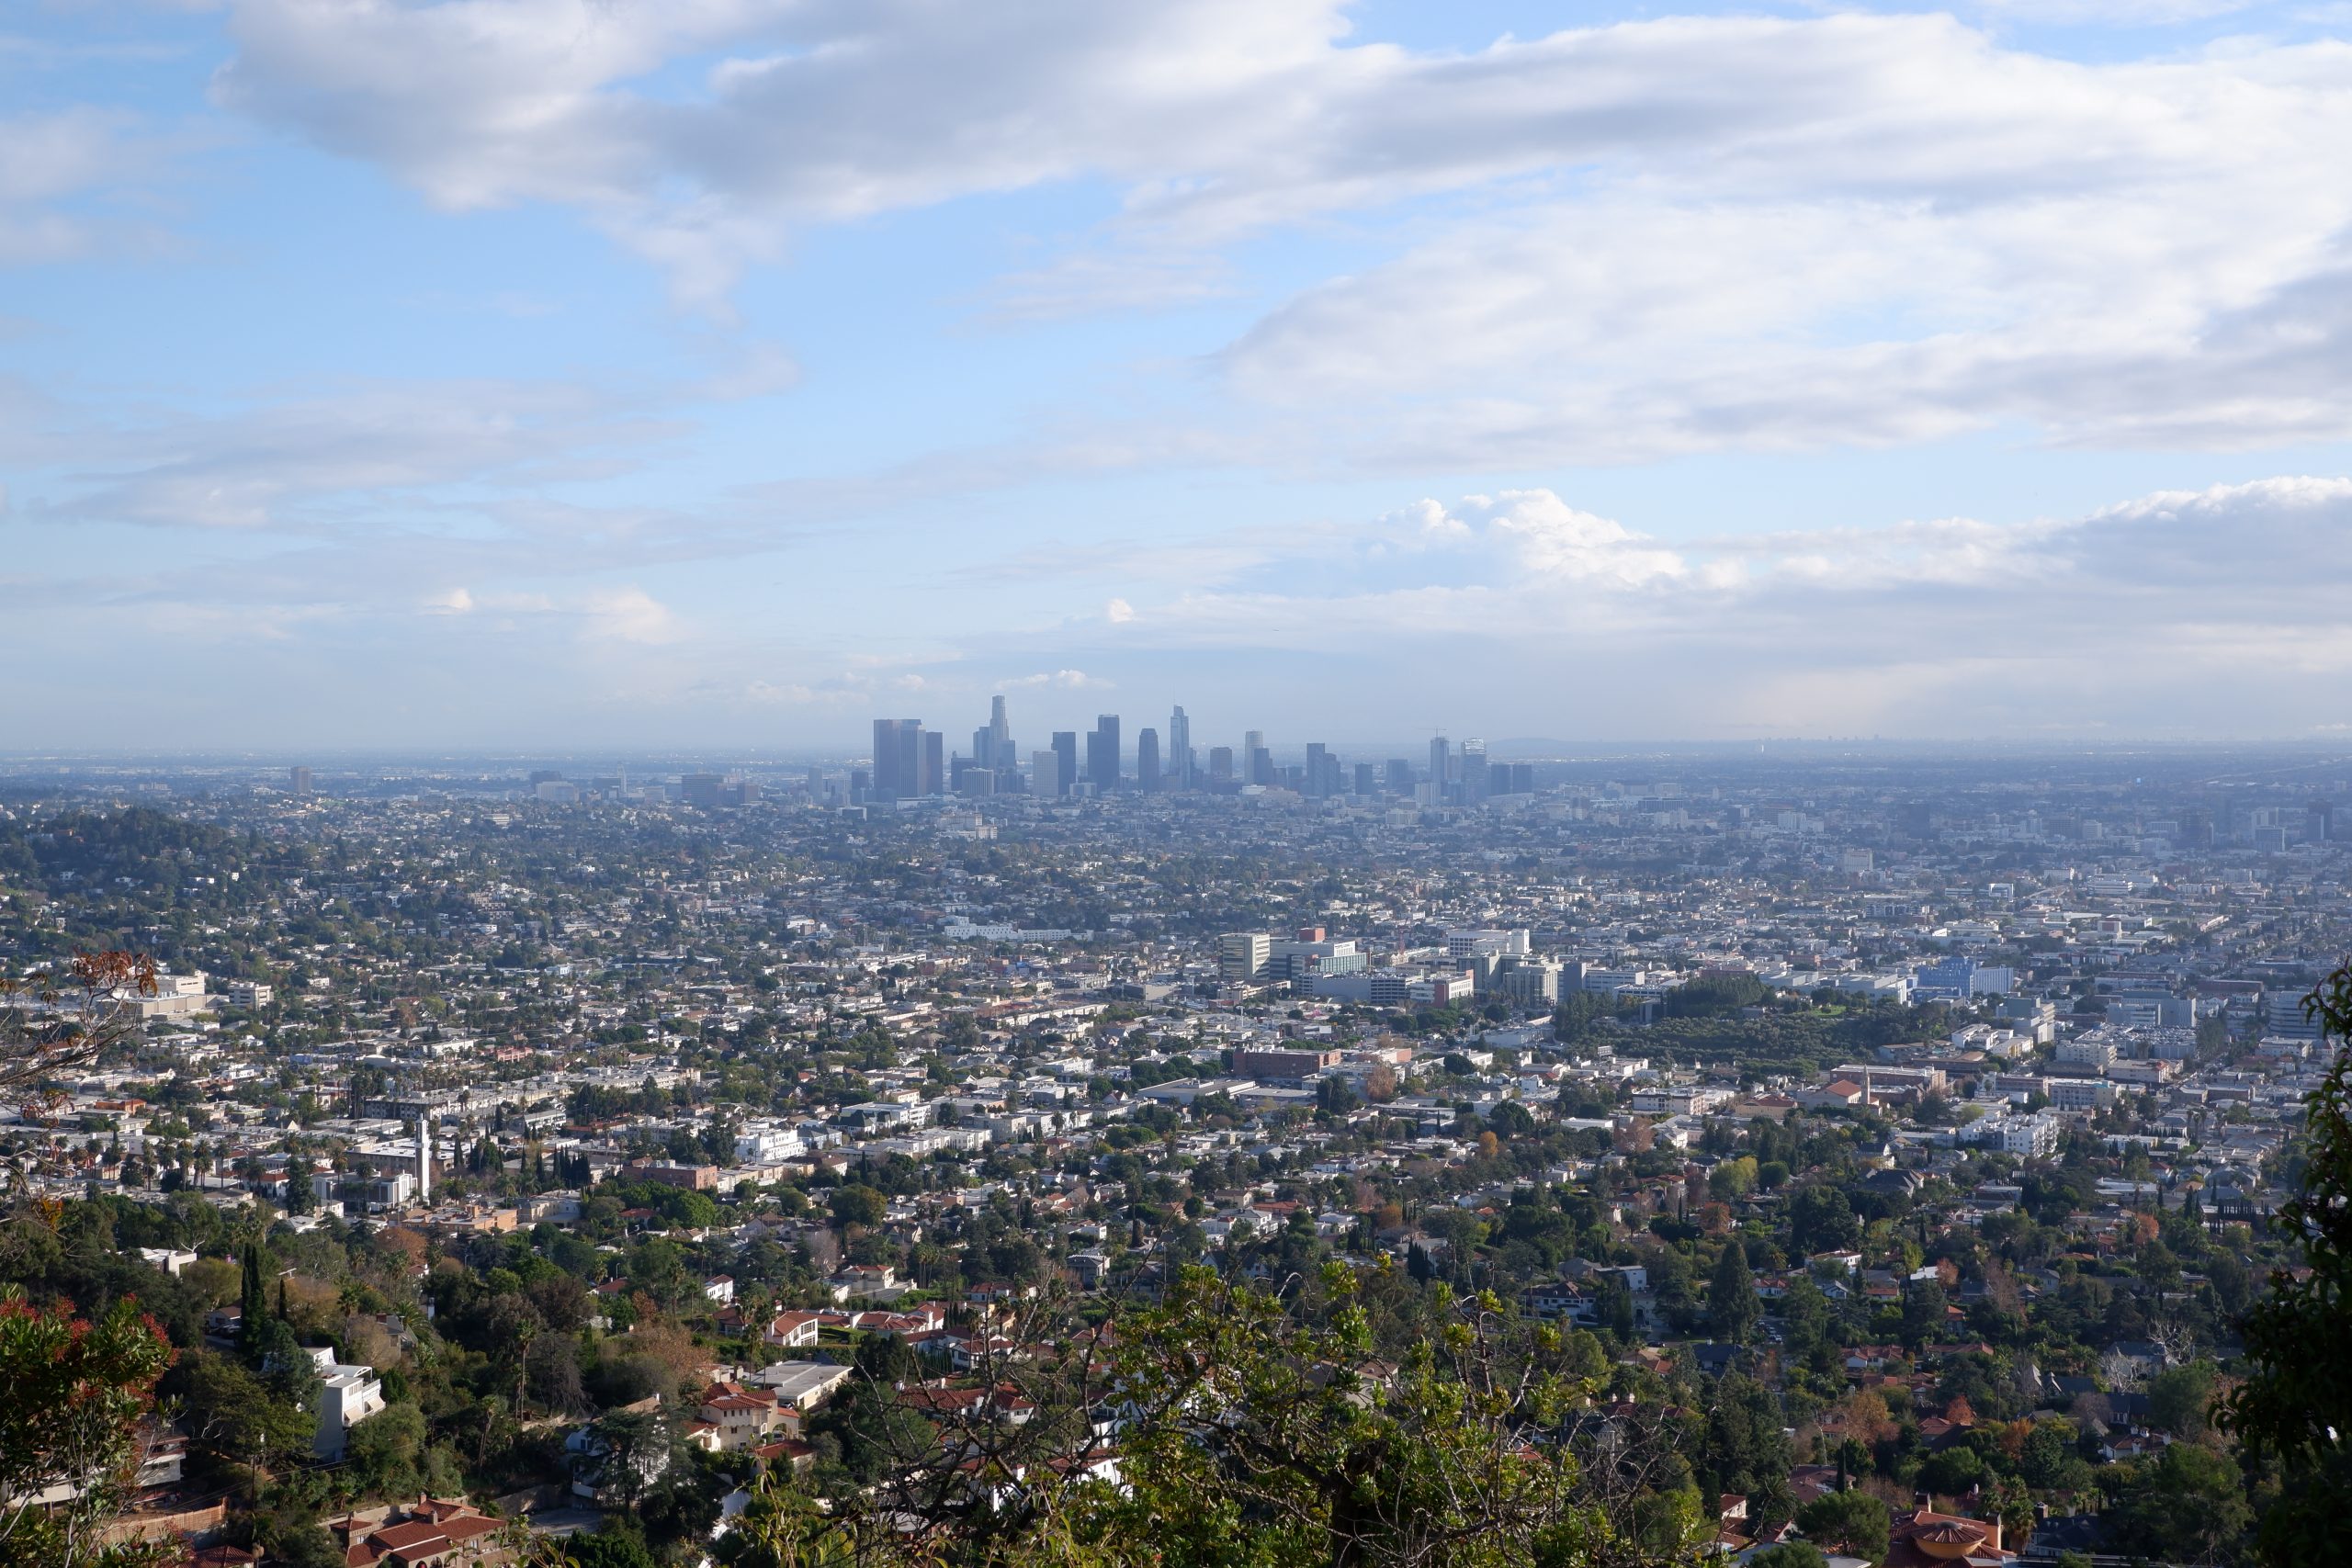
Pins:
x,y
2178,1398
1731,1306
2293,1412
857,1204
1790,1554
235,1416
1852,1522
2187,1506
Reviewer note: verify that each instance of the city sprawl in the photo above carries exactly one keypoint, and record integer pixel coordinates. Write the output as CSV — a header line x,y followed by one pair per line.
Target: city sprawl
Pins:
x,y
1870,1147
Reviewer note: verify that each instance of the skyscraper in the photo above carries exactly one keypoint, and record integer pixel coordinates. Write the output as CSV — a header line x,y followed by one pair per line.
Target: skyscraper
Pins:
x,y
1147,758
1179,749
1440,755
933,779
1047,766
299,777
1102,753
1221,764
1318,756
1001,753
1065,751
898,753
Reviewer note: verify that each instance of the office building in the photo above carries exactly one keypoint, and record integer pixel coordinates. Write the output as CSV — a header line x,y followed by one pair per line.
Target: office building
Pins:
x,y
1243,958
299,778
1046,768
1179,765
1400,775
1147,758
1221,764
1102,753
933,778
1001,754
699,790
1066,760
1367,779
1471,769
1317,779
1440,757
898,757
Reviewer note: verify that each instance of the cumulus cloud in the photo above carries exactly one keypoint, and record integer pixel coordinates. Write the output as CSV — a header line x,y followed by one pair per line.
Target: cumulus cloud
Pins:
x,y
2169,613
629,615
1061,681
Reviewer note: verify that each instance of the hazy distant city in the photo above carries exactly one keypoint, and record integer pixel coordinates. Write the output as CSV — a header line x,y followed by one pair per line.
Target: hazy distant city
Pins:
x,y
1183,784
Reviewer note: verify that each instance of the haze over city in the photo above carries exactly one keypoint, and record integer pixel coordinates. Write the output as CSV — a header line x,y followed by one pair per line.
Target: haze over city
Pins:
x,y
539,373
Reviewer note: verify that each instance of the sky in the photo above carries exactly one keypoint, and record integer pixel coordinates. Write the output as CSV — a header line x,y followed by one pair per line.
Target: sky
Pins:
x,y
501,374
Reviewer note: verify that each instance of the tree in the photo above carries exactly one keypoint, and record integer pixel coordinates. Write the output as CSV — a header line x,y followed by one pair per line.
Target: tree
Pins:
x,y
857,1204
48,1030
2187,1506
1821,1219
72,1394
253,1303
1790,1554
607,1548
1852,1522
1731,1306
2178,1398
2294,1409
233,1415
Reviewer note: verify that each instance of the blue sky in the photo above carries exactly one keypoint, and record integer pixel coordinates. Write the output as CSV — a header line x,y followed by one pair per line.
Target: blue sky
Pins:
x,y
586,373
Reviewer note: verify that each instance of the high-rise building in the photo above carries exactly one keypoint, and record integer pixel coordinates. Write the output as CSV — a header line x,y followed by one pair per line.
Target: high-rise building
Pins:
x,y
1260,763
1221,764
1440,756
1066,758
1047,767
1400,775
933,779
700,790
1102,753
898,753
299,778
1367,780
1474,769
1148,774
1179,749
1001,755
1318,760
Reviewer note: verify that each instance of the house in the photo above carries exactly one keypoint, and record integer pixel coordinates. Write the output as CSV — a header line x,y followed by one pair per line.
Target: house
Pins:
x,y
431,1533
1925,1539
348,1395
719,1289
731,1418
792,1330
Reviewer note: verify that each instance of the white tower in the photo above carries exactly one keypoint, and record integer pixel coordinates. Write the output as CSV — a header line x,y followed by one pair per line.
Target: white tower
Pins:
x,y
424,1160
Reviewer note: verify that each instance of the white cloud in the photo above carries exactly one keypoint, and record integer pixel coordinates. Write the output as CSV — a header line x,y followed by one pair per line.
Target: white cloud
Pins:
x,y
1060,681
56,168
2207,612
1698,231
629,615
1118,612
